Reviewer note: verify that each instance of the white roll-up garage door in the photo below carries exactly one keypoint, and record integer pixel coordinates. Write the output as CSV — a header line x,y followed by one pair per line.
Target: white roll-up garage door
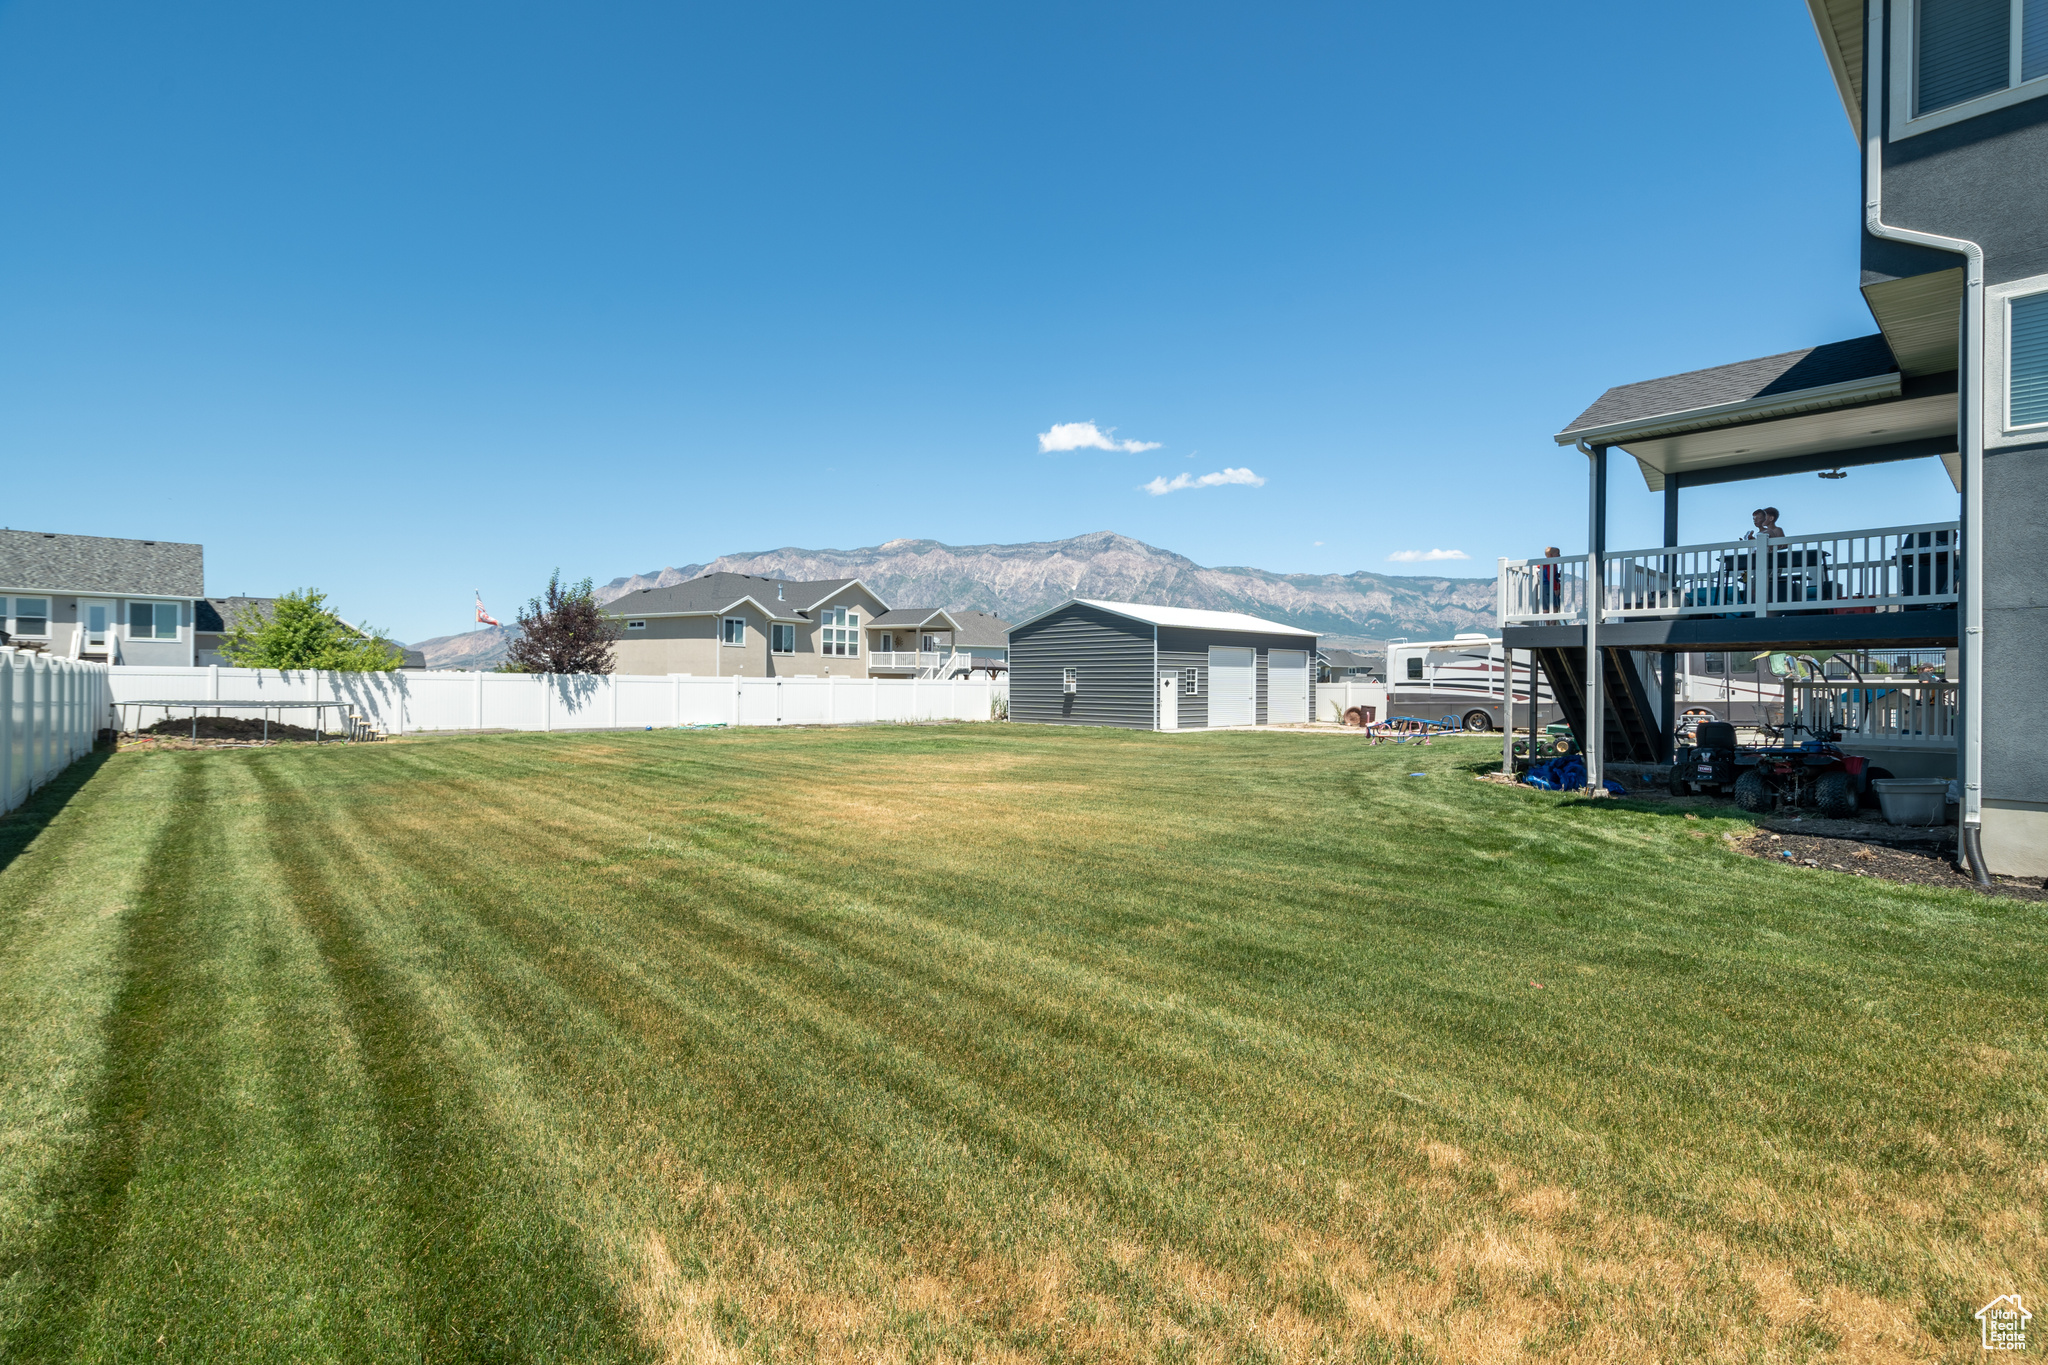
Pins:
x,y
1233,686
1286,687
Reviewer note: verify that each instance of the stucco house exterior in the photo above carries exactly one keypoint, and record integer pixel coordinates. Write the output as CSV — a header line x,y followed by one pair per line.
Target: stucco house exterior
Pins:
x,y
101,597
740,625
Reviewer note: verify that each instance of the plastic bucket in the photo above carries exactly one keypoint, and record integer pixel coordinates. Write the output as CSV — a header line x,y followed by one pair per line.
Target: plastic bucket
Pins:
x,y
1913,800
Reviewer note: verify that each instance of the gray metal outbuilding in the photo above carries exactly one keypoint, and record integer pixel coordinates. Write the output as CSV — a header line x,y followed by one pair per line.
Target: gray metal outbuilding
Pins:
x,y
1147,667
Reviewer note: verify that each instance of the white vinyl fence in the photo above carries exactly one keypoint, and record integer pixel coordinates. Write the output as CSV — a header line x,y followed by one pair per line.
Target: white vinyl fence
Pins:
x,y
411,701
1333,699
50,710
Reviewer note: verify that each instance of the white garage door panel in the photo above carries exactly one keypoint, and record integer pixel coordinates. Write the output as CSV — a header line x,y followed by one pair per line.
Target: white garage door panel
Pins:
x,y
1286,687
1233,686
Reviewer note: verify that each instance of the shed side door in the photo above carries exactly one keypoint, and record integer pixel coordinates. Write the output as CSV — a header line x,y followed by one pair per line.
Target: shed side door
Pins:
x,y
1286,687
1233,686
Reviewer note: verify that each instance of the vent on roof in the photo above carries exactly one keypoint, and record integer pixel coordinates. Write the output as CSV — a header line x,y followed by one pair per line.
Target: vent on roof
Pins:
x,y
149,542
49,535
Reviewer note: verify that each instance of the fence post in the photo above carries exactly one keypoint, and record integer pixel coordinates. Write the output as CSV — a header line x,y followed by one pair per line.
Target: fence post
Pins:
x,y
7,671
735,701
547,702
479,702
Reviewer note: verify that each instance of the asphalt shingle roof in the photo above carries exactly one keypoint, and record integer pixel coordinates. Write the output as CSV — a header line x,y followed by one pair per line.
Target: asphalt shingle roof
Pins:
x,y
716,591
907,616
1767,376
64,563
980,628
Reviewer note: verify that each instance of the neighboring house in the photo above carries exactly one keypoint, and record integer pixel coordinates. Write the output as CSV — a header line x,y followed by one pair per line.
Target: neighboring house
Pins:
x,y
216,616
984,638
1335,665
740,625
100,597
1158,668
1948,103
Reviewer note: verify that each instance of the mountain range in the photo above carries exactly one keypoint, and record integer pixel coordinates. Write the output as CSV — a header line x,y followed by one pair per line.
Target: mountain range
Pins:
x,y
1018,581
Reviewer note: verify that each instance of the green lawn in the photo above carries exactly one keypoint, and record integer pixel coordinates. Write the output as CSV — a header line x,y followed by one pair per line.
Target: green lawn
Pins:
x,y
983,1043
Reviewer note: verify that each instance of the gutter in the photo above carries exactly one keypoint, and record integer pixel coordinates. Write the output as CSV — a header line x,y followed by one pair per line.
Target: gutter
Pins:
x,y
1820,398
1969,437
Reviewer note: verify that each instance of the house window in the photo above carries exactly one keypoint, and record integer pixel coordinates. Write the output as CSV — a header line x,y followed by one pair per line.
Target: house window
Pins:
x,y
636,625
840,632
1190,682
734,630
152,620
1965,50
31,616
1415,668
781,639
1070,680
2028,366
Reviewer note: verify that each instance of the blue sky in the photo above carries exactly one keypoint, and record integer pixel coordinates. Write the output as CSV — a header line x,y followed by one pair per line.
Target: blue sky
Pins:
x,y
402,301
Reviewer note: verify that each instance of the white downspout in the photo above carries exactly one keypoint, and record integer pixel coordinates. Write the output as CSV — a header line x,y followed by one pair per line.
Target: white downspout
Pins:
x,y
1969,436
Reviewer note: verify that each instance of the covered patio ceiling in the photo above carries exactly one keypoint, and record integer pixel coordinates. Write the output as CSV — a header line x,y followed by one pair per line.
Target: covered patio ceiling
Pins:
x,y
1825,407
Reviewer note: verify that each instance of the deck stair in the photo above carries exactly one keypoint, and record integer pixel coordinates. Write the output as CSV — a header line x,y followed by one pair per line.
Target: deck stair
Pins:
x,y
1631,733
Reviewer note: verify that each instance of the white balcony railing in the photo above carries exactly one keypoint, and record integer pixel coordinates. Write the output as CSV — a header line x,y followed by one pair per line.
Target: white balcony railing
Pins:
x,y
1848,571
1880,710
903,661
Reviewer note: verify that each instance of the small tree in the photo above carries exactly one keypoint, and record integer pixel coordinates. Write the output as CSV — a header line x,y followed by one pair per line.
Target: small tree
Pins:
x,y
300,632
564,631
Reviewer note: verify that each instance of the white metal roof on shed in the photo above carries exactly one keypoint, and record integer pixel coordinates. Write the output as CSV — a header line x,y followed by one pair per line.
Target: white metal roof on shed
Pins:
x,y
1191,618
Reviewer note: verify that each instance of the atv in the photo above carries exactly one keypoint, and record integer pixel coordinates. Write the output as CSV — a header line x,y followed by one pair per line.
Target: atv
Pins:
x,y
1813,772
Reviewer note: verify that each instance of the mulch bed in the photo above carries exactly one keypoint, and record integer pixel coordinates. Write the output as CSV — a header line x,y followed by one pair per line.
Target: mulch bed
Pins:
x,y
1863,847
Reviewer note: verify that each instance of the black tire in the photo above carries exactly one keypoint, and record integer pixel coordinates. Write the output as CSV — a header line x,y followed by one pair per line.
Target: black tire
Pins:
x,y
1868,800
1478,722
1675,779
1835,794
1752,793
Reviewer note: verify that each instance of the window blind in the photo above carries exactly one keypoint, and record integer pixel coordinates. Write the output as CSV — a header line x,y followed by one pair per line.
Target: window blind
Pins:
x,y
1964,49
2029,342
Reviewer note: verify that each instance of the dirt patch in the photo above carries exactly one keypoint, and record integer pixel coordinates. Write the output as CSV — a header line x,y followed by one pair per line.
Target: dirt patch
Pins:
x,y
215,732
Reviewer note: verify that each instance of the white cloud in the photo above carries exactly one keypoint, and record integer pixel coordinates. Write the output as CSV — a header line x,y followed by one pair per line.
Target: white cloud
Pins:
x,y
1222,476
1087,436
1424,556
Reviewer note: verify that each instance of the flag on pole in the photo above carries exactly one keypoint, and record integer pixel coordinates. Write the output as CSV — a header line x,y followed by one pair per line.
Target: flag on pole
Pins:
x,y
482,616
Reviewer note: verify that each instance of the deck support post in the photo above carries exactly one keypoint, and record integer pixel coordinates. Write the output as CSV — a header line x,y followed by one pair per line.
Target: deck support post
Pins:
x,y
1668,692
1596,603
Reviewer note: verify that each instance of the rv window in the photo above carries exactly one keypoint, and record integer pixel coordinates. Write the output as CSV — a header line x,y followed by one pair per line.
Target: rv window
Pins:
x,y
1415,668
1715,664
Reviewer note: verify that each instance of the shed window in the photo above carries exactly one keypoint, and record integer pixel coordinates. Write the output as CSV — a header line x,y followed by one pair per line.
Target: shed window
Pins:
x,y
1070,680
1966,49
152,620
1190,682
636,625
735,630
32,616
2029,348
782,639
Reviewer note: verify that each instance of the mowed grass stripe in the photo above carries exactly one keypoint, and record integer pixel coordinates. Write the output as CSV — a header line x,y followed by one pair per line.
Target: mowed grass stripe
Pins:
x,y
491,1273
1001,1043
